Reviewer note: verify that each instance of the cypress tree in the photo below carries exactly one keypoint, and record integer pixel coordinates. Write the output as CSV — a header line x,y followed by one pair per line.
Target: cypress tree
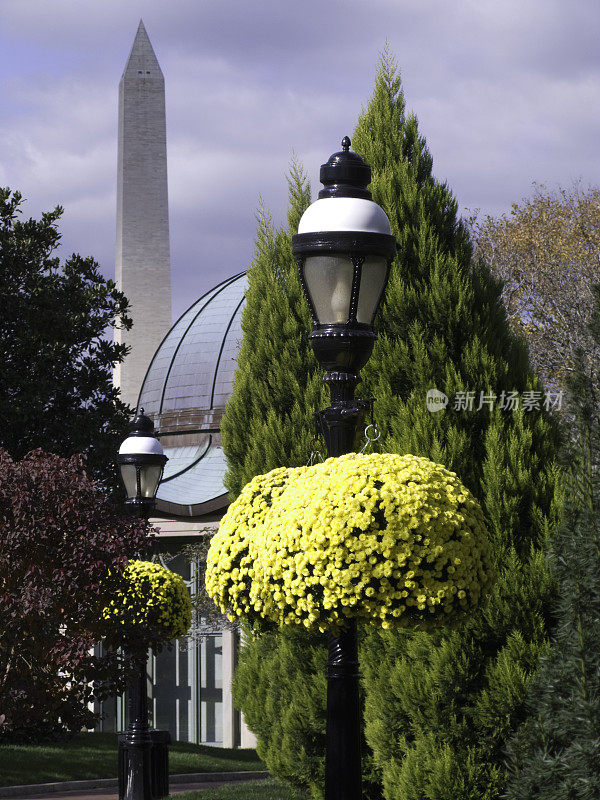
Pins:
x,y
438,708
554,755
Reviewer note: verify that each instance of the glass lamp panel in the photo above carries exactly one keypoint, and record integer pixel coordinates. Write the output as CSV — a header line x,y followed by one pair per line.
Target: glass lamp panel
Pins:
x,y
329,282
129,480
374,270
150,475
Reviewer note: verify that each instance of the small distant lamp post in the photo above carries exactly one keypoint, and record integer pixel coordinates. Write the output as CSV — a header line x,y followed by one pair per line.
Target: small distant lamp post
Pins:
x,y
141,462
344,249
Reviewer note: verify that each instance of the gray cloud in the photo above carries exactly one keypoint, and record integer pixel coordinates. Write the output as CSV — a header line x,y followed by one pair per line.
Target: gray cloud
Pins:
x,y
506,93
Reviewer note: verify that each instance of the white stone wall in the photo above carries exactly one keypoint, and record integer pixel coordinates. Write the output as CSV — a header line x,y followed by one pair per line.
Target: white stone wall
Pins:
x,y
142,258
229,641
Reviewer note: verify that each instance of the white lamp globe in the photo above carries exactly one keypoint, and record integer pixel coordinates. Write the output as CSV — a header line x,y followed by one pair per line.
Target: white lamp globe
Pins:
x,y
141,461
344,245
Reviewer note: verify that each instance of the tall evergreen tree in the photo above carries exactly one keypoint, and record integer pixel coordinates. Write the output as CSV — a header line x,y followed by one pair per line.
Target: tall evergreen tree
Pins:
x,y
555,754
438,708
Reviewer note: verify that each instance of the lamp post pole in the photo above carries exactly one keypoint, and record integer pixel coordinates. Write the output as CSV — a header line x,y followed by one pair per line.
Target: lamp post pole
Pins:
x,y
344,249
141,462
138,782
343,777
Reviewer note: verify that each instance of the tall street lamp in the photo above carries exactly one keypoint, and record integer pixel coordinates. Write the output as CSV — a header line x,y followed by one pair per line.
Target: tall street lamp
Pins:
x,y
141,462
344,249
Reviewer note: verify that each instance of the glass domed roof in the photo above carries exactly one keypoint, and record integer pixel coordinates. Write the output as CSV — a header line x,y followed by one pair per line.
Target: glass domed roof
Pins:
x,y
194,366
185,391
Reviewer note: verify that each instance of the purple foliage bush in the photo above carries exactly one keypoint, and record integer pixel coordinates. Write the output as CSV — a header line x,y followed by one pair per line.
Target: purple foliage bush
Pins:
x,y
60,537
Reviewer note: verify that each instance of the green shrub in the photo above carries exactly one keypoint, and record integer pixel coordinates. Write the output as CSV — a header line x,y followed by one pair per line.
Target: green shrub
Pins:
x,y
554,754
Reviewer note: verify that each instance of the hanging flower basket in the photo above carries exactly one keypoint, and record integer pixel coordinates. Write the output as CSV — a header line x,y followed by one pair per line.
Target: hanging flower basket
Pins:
x,y
392,540
150,603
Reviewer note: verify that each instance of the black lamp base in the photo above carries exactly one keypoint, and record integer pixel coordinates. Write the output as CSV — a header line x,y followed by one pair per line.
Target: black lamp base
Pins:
x,y
343,348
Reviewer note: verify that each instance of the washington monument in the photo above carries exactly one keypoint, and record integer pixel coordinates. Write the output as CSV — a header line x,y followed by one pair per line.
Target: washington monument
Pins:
x,y
142,268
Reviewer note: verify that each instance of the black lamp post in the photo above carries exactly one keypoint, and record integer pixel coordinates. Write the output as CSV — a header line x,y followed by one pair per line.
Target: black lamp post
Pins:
x,y
141,461
344,249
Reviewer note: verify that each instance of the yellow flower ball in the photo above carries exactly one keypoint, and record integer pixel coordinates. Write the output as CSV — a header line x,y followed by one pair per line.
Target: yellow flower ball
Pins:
x,y
152,601
403,539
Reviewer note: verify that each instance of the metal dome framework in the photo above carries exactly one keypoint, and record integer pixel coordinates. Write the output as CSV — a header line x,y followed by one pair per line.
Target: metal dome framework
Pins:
x,y
185,391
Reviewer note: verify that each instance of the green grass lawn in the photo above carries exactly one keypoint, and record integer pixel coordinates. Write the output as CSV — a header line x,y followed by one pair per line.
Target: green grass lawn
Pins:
x,y
94,755
254,790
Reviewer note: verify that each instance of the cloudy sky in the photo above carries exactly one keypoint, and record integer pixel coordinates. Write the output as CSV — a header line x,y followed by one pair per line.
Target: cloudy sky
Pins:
x,y
506,93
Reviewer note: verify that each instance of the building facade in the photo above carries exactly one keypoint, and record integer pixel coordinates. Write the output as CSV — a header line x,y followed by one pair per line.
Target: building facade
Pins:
x,y
181,376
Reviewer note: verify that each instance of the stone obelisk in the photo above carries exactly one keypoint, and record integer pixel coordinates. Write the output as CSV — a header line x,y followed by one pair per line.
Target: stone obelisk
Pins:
x,y
142,269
